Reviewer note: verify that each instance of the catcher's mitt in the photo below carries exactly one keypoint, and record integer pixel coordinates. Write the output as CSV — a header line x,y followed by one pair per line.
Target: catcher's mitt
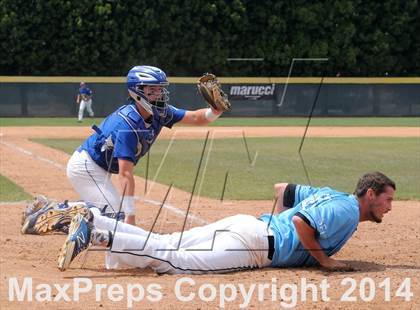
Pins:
x,y
209,87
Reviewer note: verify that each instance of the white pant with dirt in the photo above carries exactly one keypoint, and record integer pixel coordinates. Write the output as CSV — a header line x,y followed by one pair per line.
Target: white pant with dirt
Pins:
x,y
85,104
91,182
234,243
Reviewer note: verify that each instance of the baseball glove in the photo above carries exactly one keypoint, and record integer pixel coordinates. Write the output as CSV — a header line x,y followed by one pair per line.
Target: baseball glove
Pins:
x,y
209,87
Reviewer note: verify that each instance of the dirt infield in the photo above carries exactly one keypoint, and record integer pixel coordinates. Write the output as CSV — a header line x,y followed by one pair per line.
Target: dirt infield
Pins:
x,y
385,255
185,132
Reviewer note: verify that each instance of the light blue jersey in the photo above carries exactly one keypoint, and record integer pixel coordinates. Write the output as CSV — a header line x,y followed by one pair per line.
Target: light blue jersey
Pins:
x,y
334,216
124,134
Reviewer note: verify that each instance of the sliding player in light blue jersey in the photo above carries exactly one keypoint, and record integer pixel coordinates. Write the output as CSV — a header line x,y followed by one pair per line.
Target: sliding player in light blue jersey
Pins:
x,y
316,224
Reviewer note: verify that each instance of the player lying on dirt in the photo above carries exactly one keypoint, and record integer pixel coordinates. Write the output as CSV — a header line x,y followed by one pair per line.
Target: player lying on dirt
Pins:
x,y
310,225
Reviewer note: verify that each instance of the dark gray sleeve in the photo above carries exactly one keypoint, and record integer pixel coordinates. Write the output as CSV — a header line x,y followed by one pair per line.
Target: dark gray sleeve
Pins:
x,y
289,195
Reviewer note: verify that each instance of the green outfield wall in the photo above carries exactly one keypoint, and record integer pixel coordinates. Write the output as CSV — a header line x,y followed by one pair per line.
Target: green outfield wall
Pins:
x,y
265,97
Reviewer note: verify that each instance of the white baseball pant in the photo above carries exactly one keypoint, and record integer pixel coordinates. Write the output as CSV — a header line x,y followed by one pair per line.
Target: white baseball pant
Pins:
x,y
234,243
91,182
85,104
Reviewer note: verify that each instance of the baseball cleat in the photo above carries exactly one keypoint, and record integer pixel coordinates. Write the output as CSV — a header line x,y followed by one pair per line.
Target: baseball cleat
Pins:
x,y
77,241
109,212
38,202
53,218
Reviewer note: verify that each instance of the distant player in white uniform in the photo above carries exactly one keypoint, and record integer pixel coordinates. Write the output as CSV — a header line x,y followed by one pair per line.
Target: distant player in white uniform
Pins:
x,y
316,224
115,147
84,99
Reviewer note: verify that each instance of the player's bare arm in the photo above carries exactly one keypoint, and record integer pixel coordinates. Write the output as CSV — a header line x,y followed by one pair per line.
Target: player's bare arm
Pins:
x,y
200,117
306,236
126,180
279,189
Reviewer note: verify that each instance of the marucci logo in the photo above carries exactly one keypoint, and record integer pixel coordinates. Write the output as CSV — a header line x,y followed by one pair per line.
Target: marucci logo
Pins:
x,y
252,92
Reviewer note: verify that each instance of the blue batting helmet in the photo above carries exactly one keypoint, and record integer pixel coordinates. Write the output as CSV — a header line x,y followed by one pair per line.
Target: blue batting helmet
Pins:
x,y
140,76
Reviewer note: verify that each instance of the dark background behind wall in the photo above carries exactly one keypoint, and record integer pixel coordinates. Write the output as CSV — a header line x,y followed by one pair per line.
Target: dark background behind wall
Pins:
x,y
187,38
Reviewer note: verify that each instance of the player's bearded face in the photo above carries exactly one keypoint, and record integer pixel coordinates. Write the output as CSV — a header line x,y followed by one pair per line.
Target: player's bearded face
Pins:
x,y
381,204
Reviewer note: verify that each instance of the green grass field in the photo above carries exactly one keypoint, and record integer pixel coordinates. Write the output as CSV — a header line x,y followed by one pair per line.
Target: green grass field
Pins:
x,y
329,161
9,191
240,121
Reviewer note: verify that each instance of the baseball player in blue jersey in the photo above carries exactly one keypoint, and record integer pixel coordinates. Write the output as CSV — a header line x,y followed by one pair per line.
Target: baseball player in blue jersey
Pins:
x,y
84,99
125,137
314,224
115,147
